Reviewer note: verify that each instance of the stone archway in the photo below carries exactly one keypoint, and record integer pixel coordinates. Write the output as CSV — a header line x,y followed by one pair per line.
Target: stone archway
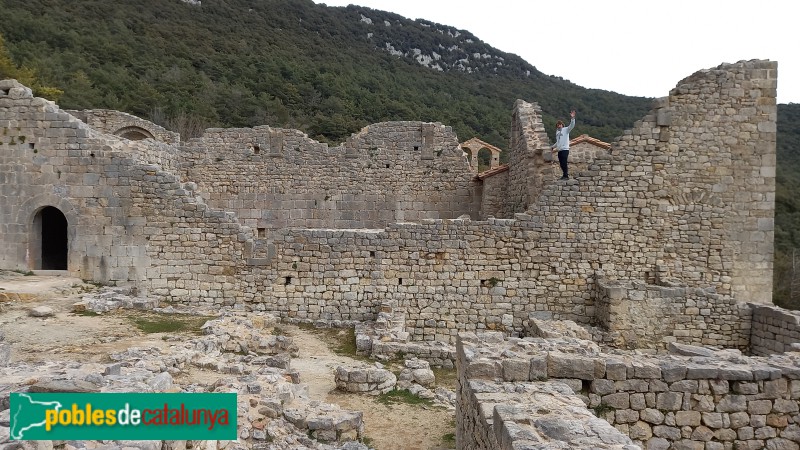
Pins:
x,y
50,240
134,133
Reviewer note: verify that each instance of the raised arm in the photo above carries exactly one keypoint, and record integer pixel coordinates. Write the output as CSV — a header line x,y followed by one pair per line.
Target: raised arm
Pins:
x,y
571,121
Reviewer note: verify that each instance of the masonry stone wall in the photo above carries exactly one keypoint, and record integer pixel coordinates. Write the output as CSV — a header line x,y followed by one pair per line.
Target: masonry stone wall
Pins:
x,y
527,148
722,400
774,330
128,220
684,197
494,193
668,198
640,315
389,172
583,150
124,125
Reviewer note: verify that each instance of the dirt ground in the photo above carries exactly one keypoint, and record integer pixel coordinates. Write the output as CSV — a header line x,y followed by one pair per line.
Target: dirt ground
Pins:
x,y
67,336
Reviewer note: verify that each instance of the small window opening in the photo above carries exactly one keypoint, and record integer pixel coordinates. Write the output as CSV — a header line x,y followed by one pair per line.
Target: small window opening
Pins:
x,y
399,281
372,254
387,166
287,281
256,149
262,232
31,145
416,147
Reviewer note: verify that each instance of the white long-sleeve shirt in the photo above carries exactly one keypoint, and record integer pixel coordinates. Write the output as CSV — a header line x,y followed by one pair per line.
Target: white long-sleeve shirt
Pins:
x,y
562,136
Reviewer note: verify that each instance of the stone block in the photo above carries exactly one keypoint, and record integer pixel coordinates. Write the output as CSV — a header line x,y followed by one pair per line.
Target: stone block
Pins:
x,y
538,371
561,365
617,401
669,401
484,369
688,418
516,369
732,403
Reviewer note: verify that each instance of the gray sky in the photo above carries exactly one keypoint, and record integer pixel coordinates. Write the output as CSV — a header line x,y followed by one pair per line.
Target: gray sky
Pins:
x,y
633,47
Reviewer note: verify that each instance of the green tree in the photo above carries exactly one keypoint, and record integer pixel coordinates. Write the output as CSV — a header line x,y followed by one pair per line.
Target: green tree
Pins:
x,y
25,75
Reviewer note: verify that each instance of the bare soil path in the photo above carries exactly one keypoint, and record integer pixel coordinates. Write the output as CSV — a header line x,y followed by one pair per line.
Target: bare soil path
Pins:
x,y
389,427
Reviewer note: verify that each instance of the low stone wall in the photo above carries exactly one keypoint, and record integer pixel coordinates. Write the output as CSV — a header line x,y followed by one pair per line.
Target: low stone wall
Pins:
x,y
774,330
644,315
720,401
453,276
540,415
501,405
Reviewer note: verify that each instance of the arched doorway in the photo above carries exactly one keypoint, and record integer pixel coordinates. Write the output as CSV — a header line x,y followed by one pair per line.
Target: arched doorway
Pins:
x,y
51,242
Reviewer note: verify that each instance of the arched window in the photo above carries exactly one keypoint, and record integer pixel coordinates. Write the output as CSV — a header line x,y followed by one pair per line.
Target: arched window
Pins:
x,y
134,133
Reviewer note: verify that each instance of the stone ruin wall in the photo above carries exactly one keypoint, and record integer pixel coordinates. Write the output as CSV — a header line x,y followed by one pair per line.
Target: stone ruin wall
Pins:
x,y
538,392
540,167
656,239
774,330
636,315
581,155
674,211
124,125
494,192
389,172
656,210
682,182
526,152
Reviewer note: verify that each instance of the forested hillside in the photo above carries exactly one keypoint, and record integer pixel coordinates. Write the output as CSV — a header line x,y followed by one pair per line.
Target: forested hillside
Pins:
x,y
324,70
787,208
291,63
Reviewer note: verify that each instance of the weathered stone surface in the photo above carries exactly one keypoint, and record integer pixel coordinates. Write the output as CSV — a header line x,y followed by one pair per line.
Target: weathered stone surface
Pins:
x,y
41,311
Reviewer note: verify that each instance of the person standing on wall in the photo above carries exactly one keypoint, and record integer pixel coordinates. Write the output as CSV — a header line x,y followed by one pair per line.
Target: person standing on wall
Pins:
x,y
562,144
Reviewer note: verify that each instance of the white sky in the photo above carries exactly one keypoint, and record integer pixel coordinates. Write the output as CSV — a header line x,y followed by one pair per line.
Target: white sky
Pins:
x,y
633,47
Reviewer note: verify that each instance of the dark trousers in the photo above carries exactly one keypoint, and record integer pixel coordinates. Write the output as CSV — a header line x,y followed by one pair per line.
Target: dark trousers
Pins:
x,y
563,155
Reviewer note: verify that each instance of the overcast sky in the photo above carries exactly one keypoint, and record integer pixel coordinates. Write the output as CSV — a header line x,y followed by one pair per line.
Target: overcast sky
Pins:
x,y
633,47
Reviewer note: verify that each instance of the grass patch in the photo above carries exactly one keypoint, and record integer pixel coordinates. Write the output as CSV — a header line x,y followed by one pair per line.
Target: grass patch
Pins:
x,y
446,378
601,410
346,342
169,323
26,273
341,341
449,440
86,313
398,396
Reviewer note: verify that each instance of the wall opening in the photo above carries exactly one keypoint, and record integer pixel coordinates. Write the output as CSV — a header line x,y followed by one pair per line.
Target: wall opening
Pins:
x,y
51,241
134,133
484,159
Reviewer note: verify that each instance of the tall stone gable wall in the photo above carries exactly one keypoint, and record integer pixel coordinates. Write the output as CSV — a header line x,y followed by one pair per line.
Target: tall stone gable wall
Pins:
x,y
529,143
128,220
389,172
